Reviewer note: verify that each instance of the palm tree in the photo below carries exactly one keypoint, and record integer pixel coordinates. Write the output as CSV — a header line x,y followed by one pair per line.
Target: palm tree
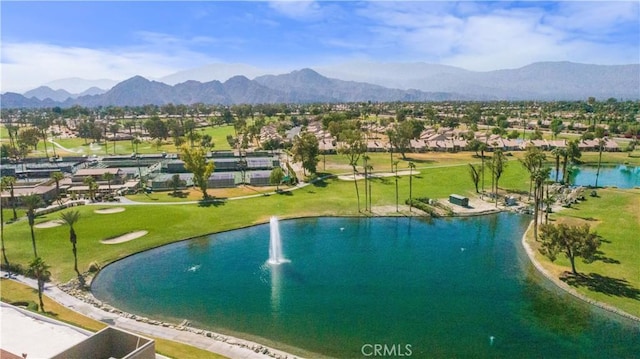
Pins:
x,y
601,143
353,148
411,167
539,176
532,161
365,159
108,176
565,160
40,270
57,176
113,128
71,218
9,182
499,161
32,201
370,170
482,147
395,164
557,153
93,186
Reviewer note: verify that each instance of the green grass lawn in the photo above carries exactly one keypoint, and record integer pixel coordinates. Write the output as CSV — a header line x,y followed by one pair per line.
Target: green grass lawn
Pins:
x,y
170,223
219,136
615,278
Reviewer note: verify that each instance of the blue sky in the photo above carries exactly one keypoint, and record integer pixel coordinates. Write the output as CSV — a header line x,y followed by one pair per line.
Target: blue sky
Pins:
x,y
45,41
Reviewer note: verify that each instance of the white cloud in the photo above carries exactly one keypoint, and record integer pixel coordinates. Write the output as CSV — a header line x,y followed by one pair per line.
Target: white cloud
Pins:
x,y
488,36
29,65
299,10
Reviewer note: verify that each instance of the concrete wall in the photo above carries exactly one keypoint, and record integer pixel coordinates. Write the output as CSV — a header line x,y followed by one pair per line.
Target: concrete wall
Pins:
x,y
111,343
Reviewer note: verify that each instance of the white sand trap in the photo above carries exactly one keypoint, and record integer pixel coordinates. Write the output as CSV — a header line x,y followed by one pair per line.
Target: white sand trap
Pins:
x,y
49,224
109,210
124,238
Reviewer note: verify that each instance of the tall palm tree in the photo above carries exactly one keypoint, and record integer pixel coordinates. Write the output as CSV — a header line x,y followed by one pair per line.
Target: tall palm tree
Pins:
x,y
557,153
601,143
32,201
370,170
365,159
9,182
57,176
482,147
532,161
565,160
108,176
4,250
411,167
71,218
539,176
499,163
93,186
40,270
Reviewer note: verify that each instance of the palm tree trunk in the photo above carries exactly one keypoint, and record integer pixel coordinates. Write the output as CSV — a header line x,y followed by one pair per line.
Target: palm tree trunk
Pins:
x,y
564,170
599,163
40,289
75,259
33,239
4,251
355,182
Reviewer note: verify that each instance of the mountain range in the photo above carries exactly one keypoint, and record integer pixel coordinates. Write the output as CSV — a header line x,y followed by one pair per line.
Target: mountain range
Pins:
x,y
354,82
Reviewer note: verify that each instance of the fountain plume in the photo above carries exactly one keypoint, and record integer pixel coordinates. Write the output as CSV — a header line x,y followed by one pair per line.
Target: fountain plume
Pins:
x,y
275,244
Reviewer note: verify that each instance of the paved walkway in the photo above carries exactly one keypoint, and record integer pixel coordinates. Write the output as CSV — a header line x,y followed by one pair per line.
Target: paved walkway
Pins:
x,y
230,347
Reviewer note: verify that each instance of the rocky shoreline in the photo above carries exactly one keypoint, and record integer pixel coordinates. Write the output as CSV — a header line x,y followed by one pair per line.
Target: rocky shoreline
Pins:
x,y
72,289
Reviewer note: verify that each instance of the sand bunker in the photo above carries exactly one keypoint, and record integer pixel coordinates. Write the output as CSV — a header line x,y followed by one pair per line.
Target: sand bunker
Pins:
x,y
124,238
49,224
109,210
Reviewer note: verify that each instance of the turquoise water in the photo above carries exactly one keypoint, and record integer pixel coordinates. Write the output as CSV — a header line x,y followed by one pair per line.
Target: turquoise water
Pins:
x,y
438,289
620,176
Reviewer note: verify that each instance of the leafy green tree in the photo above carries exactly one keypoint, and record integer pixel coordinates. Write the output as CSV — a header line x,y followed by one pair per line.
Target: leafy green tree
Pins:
x,y
556,126
9,182
196,162
39,270
572,241
32,202
156,128
276,177
71,218
29,137
306,150
402,134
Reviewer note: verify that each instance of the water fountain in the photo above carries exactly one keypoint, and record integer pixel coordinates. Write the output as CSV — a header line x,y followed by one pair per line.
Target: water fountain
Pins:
x,y
275,244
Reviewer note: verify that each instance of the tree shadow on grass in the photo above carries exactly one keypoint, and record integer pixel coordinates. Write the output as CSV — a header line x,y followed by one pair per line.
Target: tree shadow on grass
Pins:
x,y
602,284
417,160
179,194
217,202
